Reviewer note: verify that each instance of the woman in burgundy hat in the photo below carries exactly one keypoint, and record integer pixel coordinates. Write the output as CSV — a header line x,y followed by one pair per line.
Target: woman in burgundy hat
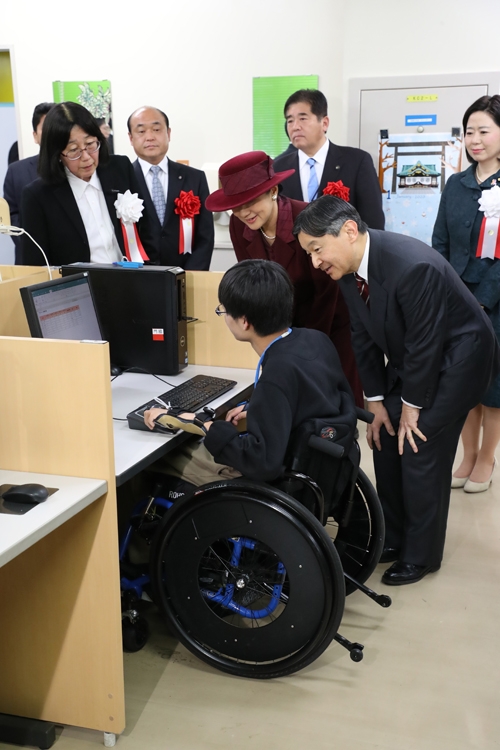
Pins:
x,y
261,227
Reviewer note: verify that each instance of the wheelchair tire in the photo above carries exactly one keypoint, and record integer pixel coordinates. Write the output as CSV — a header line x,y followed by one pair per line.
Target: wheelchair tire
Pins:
x,y
192,559
360,540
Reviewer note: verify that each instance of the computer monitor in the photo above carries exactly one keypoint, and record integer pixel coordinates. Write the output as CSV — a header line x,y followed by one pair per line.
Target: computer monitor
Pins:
x,y
62,309
142,312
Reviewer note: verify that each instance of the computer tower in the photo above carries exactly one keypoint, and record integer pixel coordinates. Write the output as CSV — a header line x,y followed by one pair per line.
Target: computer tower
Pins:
x,y
142,312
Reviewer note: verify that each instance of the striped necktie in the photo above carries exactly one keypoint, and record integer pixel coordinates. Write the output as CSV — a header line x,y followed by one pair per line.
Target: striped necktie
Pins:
x,y
312,186
363,289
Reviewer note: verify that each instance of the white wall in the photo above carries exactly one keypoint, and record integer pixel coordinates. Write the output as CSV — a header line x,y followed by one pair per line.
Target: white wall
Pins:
x,y
196,59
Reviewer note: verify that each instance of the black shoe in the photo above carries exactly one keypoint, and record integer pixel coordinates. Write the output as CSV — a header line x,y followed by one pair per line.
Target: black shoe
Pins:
x,y
401,573
389,554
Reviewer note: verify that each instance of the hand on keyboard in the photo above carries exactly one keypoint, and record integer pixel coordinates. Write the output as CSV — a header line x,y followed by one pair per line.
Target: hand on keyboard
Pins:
x,y
150,415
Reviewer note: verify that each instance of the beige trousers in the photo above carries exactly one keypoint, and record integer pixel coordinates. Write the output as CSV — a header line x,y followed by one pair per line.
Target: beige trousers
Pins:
x,y
193,463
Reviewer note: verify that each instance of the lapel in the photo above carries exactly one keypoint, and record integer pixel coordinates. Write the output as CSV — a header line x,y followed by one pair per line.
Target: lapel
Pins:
x,y
110,190
293,186
64,196
145,194
333,168
176,183
378,285
361,309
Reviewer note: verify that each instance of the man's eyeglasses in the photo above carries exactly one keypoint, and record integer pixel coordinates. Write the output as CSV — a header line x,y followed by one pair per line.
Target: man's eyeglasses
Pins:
x,y
219,310
76,153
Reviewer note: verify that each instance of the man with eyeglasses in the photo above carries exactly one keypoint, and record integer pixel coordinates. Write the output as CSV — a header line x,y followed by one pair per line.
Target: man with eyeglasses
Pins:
x,y
298,379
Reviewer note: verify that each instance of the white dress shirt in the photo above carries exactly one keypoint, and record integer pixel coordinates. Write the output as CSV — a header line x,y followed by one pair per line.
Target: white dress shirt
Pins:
x,y
89,196
305,169
162,175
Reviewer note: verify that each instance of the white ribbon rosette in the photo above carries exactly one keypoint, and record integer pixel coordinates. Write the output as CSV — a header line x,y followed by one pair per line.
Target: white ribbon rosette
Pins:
x,y
489,236
129,209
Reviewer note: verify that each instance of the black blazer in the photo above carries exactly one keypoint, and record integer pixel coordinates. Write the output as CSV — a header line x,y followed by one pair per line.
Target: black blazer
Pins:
x,y
166,237
19,174
351,165
421,317
50,214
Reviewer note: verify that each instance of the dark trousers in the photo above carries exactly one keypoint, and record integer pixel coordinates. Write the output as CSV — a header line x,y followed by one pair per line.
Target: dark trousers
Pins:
x,y
414,488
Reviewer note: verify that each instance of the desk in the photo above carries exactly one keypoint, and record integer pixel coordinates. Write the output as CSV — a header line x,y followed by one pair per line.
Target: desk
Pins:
x,y
136,450
19,532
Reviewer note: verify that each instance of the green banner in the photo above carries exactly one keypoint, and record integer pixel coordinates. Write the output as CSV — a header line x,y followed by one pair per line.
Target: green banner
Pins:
x,y
93,95
269,97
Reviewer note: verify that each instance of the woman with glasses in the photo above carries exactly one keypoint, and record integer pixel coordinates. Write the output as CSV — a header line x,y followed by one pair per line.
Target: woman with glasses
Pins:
x,y
70,209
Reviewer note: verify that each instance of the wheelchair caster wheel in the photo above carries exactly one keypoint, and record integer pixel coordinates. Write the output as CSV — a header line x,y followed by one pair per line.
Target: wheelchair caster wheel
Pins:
x,y
384,601
135,632
356,654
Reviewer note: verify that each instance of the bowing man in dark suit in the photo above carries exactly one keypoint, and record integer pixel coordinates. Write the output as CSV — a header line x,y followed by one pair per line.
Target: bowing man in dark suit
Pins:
x,y
22,173
163,183
426,353
70,210
318,161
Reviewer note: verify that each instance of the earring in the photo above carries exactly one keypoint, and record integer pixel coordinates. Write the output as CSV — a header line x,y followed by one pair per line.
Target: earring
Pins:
x,y
275,197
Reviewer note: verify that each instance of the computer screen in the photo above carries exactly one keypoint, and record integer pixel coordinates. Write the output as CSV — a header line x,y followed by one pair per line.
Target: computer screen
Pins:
x,y
62,309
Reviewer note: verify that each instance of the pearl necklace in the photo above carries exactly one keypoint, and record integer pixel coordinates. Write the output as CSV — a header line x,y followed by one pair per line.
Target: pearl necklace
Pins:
x,y
266,236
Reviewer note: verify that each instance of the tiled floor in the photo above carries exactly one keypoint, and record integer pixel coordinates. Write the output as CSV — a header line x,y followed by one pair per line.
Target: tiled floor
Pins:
x,y
429,679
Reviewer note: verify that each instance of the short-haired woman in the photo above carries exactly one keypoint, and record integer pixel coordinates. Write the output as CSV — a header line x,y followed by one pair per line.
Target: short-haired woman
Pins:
x,y
70,209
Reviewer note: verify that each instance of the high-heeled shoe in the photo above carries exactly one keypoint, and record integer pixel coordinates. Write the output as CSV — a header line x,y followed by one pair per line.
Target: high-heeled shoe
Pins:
x,y
480,486
457,482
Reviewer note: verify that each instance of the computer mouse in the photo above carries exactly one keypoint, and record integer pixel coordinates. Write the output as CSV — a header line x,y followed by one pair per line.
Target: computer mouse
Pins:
x,y
115,371
26,493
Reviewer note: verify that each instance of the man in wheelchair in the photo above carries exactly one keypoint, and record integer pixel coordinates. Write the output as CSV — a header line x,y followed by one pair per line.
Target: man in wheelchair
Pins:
x,y
299,378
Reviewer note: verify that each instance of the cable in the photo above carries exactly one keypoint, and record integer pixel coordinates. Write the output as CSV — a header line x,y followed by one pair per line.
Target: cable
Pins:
x,y
17,232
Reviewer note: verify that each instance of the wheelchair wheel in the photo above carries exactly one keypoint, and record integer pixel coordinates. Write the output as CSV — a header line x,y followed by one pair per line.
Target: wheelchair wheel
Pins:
x,y
248,580
358,531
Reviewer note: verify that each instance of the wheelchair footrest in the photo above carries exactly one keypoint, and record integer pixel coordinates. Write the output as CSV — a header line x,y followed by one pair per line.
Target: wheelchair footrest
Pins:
x,y
355,649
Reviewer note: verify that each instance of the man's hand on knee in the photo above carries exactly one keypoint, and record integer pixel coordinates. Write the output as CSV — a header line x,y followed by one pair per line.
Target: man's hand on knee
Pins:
x,y
382,419
408,426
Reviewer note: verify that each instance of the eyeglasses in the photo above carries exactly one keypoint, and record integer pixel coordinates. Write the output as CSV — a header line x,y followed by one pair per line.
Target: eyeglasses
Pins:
x,y
76,153
219,310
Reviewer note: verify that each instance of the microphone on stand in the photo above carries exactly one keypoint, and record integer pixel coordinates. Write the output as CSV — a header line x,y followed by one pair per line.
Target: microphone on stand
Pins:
x,y
17,232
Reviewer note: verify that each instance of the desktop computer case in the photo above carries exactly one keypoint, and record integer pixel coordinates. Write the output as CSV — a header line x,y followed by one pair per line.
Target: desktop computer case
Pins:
x,y
142,312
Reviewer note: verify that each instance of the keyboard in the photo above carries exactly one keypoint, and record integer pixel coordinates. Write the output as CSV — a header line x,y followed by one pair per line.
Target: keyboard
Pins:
x,y
191,396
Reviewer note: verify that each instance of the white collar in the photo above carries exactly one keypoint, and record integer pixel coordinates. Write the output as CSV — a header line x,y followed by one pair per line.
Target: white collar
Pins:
x,y
363,266
146,166
79,186
319,156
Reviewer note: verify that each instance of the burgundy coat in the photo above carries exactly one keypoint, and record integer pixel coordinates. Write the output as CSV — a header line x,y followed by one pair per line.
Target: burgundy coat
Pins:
x,y
319,302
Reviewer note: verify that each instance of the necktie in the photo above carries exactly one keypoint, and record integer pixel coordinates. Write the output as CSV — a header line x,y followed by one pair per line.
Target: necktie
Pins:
x,y
312,187
158,195
363,289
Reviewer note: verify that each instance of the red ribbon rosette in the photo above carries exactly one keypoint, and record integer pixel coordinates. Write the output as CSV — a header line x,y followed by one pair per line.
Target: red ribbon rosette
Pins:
x,y
187,205
338,189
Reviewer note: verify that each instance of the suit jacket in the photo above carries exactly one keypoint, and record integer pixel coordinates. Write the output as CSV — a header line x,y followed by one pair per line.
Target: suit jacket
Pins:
x,y
351,165
19,174
453,232
166,237
421,317
50,214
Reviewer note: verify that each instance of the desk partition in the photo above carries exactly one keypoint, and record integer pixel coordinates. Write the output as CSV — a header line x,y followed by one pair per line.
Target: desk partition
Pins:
x,y
60,634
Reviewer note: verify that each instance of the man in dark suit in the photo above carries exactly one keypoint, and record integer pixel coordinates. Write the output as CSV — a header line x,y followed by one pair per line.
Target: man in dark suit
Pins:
x,y
22,173
426,353
187,242
318,161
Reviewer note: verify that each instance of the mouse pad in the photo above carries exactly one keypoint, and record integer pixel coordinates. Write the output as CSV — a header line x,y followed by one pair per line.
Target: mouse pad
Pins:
x,y
18,509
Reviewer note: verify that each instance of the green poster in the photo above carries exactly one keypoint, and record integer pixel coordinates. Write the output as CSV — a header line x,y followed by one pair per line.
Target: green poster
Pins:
x,y
94,95
269,97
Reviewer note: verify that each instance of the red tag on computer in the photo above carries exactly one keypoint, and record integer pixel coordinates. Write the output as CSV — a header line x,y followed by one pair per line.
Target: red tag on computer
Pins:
x,y
158,334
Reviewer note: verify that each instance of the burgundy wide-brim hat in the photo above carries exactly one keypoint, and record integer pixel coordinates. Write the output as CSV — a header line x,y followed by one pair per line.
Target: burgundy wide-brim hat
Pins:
x,y
244,178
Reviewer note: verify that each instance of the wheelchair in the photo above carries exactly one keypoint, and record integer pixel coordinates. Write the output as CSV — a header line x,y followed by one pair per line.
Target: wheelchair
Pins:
x,y
252,577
